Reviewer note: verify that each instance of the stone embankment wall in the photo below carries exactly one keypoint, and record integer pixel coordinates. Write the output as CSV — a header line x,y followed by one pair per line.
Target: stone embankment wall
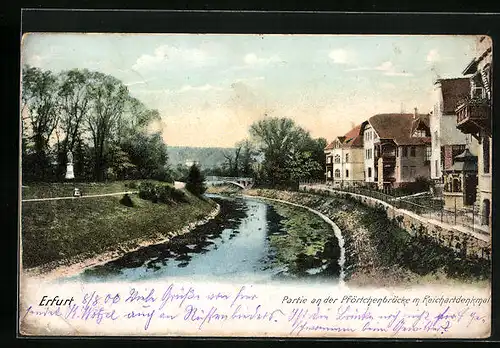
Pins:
x,y
455,237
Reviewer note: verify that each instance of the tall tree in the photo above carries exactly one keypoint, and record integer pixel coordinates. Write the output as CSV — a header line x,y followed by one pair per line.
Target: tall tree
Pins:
x,y
108,96
39,97
232,161
247,157
278,139
75,104
148,154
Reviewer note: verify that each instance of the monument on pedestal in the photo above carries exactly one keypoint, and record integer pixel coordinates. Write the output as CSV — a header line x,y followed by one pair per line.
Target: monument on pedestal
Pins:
x,y
69,167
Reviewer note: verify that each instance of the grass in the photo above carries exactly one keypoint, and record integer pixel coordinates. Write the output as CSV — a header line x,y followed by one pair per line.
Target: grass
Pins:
x,y
65,189
61,230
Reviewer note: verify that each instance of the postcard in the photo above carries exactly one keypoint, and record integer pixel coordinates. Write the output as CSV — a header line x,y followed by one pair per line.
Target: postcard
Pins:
x,y
223,185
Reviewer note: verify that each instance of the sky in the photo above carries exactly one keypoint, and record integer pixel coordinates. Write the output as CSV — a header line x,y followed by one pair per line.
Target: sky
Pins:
x,y
209,89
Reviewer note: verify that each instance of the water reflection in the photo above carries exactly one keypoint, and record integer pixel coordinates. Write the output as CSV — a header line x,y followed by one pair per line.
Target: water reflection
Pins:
x,y
248,240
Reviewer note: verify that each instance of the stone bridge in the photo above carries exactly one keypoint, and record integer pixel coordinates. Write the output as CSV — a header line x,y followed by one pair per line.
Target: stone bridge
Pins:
x,y
244,183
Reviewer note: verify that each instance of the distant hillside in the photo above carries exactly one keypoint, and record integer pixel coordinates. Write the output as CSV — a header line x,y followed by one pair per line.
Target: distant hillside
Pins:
x,y
208,157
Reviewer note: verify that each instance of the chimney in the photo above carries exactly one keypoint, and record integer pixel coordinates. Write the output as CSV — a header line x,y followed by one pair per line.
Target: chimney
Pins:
x,y
415,113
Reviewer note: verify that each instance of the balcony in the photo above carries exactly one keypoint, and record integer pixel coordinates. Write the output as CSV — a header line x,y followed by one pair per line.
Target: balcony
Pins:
x,y
473,116
388,160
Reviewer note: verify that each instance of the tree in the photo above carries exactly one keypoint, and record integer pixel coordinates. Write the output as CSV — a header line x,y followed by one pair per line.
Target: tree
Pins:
x,y
195,182
247,158
232,161
75,104
108,100
279,139
147,153
316,147
301,165
39,98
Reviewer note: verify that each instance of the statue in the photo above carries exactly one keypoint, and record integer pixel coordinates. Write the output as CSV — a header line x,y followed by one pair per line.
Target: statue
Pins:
x,y
69,167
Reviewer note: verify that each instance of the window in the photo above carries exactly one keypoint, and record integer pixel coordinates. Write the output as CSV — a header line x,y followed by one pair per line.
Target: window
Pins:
x,y
405,151
436,167
329,159
329,174
337,158
419,133
428,153
346,157
405,171
369,172
478,93
347,173
412,151
486,155
413,171
337,173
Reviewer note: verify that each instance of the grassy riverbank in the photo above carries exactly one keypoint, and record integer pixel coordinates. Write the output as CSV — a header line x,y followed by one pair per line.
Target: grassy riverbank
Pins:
x,y
65,231
380,253
223,189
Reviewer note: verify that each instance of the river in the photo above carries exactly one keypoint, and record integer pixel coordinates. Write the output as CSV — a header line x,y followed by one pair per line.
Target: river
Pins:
x,y
247,241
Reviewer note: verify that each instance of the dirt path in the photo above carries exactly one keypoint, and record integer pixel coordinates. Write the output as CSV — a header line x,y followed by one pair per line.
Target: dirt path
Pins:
x,y
85,196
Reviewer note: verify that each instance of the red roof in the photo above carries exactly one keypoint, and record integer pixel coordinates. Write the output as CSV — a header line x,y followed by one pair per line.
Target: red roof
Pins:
x,y
400,127
454,90
330,146
350,139
353,138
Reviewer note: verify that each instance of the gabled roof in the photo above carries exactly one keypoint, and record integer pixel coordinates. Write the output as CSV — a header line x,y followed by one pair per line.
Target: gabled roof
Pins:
x,y
453,91
353,138
350,139
400,127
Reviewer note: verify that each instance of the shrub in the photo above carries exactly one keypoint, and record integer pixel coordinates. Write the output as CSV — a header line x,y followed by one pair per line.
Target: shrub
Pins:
x,y
126,201
132,185
147,191
160,193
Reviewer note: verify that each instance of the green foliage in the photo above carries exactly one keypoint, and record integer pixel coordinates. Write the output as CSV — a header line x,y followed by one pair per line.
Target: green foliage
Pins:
x,y
195,181
290,154
162,193
126,201
92,115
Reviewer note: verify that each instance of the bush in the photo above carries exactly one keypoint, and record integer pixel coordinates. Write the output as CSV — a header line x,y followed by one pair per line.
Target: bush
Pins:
x,y
126,201
147,191
132,185
160,193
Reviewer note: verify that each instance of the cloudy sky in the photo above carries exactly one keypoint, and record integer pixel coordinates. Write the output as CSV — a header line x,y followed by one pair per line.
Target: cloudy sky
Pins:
x,y
210,88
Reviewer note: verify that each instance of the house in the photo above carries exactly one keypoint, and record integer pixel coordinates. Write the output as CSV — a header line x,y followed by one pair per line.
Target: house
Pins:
x,y
474,117
397,148
344,159
447,140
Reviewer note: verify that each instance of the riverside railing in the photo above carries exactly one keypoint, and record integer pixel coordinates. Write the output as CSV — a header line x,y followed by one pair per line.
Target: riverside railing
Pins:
x,y
426,206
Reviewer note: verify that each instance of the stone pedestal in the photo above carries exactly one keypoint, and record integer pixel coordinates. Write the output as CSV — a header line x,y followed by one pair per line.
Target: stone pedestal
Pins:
x,y
69,171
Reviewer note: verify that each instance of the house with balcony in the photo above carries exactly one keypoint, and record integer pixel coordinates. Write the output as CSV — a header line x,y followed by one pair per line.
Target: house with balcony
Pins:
x,y
344,159
474,117
397,149
447,141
